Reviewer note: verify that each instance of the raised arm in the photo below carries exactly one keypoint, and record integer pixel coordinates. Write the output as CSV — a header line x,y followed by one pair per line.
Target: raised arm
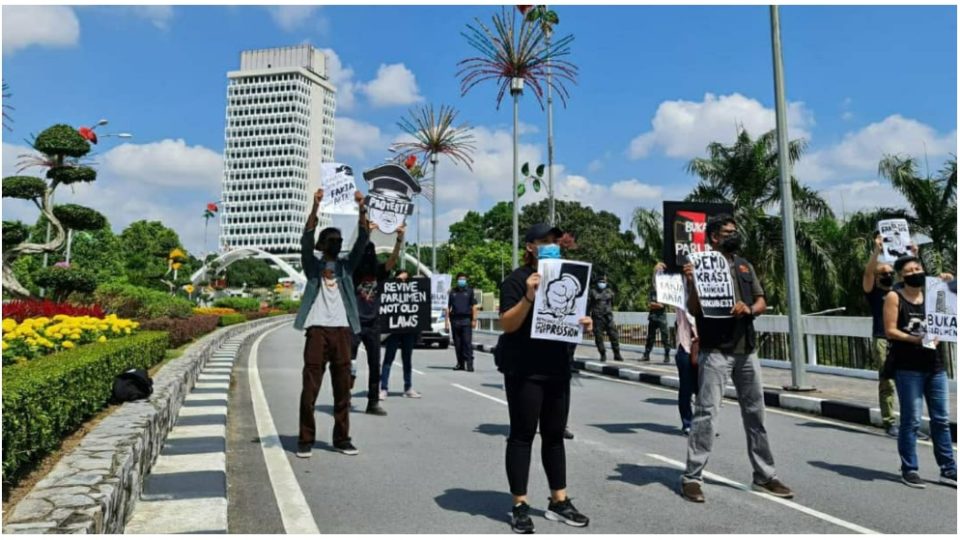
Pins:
x,y
693,300
363,235
869,272
307,260
395,255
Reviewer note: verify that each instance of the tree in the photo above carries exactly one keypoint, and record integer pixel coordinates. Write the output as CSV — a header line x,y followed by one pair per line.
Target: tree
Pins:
x,y
7,119
253,272
469,231
59,149
648,224
144,246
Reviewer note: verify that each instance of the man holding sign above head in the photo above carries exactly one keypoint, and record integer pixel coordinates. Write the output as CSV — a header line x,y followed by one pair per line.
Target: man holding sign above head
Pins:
x,y
725,296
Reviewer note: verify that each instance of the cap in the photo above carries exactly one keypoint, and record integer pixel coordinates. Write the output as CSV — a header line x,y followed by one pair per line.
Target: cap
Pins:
x,y
902,261
541,230
392,178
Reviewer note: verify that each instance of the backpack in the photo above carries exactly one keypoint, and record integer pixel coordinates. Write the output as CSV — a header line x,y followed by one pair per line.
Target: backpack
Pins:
x,y
131,385
498,355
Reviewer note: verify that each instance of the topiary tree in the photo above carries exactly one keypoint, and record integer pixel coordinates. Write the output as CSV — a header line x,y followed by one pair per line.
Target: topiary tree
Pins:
x,y
59,150
64,280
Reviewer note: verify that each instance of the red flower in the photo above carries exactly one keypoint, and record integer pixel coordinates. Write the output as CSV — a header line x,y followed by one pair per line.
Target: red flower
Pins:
x,y
19,310
524,9
88,134
212,207
410,162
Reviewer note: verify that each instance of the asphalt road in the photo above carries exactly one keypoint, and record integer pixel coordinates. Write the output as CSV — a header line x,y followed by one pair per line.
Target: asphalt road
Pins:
x,y
436,465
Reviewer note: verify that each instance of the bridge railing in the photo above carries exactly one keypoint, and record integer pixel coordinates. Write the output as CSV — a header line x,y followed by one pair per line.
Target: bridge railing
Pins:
x,y
838,345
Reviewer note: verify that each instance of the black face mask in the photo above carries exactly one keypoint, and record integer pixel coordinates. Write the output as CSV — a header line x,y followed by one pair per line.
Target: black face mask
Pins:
x,y
731,244
886,281
333,246
915,280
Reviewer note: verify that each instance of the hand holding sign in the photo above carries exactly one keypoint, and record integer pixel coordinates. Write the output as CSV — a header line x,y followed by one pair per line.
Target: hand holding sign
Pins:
x,y
711,274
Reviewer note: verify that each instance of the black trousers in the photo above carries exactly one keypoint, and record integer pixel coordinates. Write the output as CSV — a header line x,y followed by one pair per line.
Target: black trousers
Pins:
x,y
370,337
536,402
462,332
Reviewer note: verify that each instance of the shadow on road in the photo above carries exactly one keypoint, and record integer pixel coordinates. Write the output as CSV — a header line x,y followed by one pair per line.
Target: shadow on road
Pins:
x,y
661,401
289,444
832,426
491,504
498,386
643,475
620,429
493,429
858,473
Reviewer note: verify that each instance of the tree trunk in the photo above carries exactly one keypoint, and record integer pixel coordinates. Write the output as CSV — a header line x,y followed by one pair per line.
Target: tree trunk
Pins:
x,y
10,282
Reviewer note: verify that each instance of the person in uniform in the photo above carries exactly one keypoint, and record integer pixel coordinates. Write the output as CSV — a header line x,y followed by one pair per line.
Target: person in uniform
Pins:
x,y
656,322
601,311
462,319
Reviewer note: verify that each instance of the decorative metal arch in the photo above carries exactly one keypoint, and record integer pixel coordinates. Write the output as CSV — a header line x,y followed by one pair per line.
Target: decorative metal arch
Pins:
x,y
238,254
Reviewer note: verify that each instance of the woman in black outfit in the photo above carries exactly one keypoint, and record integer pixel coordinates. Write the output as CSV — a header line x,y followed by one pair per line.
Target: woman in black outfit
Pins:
x,y
537,382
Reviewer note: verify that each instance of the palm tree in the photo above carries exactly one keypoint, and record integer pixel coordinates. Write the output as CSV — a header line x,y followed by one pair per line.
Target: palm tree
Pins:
x,y
648,224
746,174
435,135
511,56
7,120
933,201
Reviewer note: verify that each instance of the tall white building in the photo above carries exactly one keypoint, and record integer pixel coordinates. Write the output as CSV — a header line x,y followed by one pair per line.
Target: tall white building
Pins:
x,y
279,129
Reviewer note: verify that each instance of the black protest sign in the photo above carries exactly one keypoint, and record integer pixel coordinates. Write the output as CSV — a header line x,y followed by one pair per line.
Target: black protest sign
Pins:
x,y
405,306
685,229
711,274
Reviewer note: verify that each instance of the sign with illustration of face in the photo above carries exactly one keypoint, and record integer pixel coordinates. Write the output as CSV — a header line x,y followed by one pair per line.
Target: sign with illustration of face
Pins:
x,y
561,300
895,234
685,229
390,200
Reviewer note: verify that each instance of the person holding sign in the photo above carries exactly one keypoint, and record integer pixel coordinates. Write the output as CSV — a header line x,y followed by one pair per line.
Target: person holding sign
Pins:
x,y
601,310
688,347
656,322
537,382
328,315
727,349
462,317
368,277
405,342
919,375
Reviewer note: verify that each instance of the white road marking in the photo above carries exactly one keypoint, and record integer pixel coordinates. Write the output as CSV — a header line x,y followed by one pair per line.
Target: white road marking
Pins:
x,y
481,394
788,503
294,511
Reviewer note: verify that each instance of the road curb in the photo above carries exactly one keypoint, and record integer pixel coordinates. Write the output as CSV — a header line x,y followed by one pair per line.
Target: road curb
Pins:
x,y
854,413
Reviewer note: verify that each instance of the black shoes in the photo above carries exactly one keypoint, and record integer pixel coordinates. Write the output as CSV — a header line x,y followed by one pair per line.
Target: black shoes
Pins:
x,y
567,434
566,513
374,408
520,522
347,448
912,479
470,367
304,450
458,367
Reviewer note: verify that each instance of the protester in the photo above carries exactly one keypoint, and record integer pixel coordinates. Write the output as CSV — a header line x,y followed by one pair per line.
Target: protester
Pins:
x,y
537,382
728,349
656,322
368,277
405,343
686,360
328,314
919,375
601,311
461,316
877,282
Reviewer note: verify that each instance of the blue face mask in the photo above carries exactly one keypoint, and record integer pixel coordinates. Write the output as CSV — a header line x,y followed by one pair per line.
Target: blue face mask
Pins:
x,y
461,283
601,286
548,251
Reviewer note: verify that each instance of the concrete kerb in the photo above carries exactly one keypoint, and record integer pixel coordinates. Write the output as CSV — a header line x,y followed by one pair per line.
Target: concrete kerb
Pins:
x,y
94,488
834,409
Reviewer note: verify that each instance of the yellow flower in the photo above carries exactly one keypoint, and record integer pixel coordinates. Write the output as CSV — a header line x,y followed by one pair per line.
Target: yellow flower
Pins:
x,y
126,331
58,335
101,327
31,342
67,344
4,345
102,339
9,325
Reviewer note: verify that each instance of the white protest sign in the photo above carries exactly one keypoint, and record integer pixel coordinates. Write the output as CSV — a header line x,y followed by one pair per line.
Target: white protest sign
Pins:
x,y
561,300
387,212
711,274
671,290
440,290
940,302
895,234
338,187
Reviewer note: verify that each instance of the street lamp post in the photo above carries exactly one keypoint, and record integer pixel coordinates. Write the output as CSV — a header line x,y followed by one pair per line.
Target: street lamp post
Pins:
x,y
797,355
516,90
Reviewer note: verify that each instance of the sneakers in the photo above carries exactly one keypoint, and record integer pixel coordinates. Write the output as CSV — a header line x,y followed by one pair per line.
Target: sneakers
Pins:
x,y
458,367
347,448
470,367
646,357
893,432
774,487
912,479
383,395
411,393
567,434
949,478
566,513
375,409
304,450
692,491
520,521
686,431
603,357
921,436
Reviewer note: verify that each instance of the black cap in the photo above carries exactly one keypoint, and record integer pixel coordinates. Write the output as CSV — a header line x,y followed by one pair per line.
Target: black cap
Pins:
x,y
902,261
392,178
541,230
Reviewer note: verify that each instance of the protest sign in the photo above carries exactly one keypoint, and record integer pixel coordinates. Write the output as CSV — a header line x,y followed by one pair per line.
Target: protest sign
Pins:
x,y
671,290
405,306
895,234
338,187
390,201
561,300
940,302
440,290
685,229
711,275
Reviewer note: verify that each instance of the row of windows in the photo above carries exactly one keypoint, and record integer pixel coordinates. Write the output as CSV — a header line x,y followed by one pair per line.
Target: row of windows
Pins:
x,y
273,241
254,205
257,110
262,153
260,132
296,99
249,242
243,195
286,119
271,78
284,141
289,173
261,163
247,87
288,218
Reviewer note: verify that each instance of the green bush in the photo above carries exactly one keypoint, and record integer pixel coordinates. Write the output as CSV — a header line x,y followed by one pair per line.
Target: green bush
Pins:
x,y
287,305
79,218
14,232
61,139
130,301
239,304
64,281
233,318
72,175
47,398
24,187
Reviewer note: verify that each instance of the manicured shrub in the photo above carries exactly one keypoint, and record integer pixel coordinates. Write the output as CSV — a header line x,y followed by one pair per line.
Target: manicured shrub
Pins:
x,y
290,306
236,318
182,331
238,304
140,303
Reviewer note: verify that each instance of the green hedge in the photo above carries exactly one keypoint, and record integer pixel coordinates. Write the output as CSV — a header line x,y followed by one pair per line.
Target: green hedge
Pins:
x,y
233,318
239,304
287,305
47,398
132,302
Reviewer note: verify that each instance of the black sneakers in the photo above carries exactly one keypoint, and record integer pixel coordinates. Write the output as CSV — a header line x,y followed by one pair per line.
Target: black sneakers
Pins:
x,y
565,512
347,448
304,450
949,478
374,408
567,434
912,479
520,522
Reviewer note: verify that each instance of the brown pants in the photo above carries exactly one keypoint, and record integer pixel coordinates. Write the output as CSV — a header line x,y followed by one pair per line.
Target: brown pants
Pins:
x,y
326,346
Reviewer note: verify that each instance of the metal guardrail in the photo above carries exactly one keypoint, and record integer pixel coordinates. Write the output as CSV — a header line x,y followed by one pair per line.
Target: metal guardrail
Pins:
x,y
832,342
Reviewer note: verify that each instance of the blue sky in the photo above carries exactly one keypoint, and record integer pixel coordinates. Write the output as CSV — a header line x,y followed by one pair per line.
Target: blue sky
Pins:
x,y
656,85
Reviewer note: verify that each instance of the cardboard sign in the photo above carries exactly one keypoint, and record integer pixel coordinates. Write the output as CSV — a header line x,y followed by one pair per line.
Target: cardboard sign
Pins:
x,y
561,300
940,302
685,229
711,274
440,290
405,306
671,290
387,212
895,234
338,187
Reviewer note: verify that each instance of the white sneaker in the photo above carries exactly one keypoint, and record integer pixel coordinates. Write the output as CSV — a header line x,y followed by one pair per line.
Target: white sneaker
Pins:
x,y
383,395
411,393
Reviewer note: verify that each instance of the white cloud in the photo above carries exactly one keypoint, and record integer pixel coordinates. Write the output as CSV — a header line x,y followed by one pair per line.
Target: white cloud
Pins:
x,y
860,151
683,129
159,16
47,26
851,197
168,163
342,77
359,140
293,18
394,85
595,165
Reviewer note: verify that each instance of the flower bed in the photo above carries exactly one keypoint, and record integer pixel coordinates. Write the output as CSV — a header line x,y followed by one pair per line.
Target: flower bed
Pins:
x,y
214,311
183,331
41,336
20,310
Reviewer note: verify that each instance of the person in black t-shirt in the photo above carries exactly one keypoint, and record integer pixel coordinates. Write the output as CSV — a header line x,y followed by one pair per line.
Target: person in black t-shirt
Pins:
x,y
877,282
367,279
537,382
919,374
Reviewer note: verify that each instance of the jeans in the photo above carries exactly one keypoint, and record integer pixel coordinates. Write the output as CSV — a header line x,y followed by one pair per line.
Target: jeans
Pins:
x,y
912,388
688,385
369,336
405,343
